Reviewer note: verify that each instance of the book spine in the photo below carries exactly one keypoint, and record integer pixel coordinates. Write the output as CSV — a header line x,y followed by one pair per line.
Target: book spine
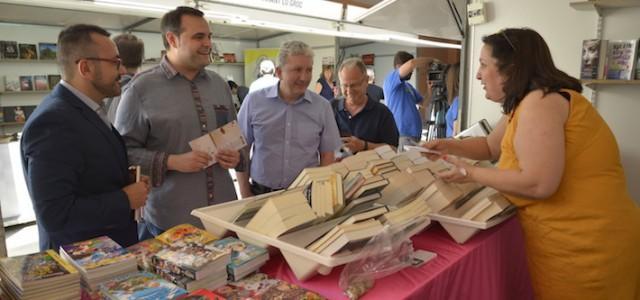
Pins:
x,y
67,266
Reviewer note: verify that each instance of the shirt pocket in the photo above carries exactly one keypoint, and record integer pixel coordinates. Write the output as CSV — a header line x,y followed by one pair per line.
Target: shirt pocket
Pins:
x,y
307,135
222,115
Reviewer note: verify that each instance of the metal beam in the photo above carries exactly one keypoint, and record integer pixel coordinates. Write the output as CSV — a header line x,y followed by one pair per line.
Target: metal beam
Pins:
x,y
131,27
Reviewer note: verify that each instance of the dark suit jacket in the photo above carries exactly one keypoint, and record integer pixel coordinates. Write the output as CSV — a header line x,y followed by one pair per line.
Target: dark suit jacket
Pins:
x,y
75,169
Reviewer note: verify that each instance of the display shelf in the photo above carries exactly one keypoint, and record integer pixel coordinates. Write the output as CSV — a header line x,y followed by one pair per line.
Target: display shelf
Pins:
x,y
2,124
593,84
604,4
216,63
25,92
28,61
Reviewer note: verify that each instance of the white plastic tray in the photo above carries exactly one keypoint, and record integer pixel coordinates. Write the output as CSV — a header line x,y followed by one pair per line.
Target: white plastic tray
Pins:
x,y
461,229
217,219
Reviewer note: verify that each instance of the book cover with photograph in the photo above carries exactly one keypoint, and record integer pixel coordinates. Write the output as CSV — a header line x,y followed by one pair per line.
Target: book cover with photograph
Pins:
x,y
48,50
26,83
53,80
28,51
40,82
593,59
144,251
17,114
621,58
9,49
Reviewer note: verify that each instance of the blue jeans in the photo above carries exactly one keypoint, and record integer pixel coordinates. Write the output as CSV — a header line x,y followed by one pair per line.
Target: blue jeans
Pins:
x,y
146,230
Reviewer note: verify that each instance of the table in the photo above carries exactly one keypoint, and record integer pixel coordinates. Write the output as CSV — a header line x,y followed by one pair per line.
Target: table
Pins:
x,y
490,265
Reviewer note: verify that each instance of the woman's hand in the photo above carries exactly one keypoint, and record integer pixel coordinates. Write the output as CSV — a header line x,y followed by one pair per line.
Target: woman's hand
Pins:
x,y
460,171
437,148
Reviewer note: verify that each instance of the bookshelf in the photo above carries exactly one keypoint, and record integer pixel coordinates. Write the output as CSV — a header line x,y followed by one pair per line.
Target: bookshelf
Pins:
x,y
2,124
599,5
25,92
28,61
593,84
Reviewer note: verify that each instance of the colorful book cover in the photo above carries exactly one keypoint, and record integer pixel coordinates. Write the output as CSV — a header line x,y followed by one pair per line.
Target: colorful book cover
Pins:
x,y
35,267
260,286
9,49
141,285
621,58
40,82
144,251
48,50
241,252
26,83
97,252
28,51
592,54
186,260
201,294
186,233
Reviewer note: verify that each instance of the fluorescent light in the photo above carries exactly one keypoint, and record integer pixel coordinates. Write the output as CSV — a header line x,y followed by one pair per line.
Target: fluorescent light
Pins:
x,y
373,9
424,42
133,5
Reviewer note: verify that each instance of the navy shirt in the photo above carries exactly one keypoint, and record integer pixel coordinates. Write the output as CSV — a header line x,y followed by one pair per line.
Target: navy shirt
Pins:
x,y
374,123
327,91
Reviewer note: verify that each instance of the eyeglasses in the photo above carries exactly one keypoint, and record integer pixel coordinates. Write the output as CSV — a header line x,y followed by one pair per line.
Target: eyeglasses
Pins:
x,y
506,37
117,61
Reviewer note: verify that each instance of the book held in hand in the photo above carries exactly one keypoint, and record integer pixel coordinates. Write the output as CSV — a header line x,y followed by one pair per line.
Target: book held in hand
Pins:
x,y
228,136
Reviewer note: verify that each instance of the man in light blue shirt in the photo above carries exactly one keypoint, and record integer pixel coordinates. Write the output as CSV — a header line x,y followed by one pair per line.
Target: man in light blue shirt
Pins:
x,y
289,127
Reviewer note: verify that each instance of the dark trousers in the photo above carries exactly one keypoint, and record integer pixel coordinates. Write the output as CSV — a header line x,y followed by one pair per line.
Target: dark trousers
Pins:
x,y
259,189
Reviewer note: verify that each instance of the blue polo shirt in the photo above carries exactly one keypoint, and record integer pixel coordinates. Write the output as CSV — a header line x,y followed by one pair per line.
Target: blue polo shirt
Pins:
x,y
374,123
401,98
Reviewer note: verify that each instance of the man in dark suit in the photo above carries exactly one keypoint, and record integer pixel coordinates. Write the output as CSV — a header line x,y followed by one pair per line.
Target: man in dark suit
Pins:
x,y
75,163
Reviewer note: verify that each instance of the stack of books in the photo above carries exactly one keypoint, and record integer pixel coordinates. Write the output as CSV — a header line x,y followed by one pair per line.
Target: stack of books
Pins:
x,y
41,275
98,260
480,205
346,237
326,195
283,213
201,294
246,258
185,256
139,285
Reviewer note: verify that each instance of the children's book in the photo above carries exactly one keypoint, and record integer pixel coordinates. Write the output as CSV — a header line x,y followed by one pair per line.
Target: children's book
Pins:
x,y
201,294
36,269
95,253
144,251
140,285
192,260
186,233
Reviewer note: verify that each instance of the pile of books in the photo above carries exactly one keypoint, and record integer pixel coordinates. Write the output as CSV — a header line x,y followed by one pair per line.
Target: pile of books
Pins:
x,y
610,59
41,275
98,260
194,259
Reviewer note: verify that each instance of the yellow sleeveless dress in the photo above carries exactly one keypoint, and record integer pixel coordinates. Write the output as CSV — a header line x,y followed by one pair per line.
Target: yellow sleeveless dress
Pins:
x,y
584,241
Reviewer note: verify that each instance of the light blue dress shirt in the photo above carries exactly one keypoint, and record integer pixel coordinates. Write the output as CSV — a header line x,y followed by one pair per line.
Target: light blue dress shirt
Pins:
x,y
286,138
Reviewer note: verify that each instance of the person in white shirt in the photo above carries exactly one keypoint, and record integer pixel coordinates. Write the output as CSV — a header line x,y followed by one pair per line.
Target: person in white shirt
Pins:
x,y
267,78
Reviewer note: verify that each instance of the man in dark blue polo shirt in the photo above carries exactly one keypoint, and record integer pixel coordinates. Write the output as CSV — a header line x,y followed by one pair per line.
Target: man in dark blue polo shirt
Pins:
x,y
363,122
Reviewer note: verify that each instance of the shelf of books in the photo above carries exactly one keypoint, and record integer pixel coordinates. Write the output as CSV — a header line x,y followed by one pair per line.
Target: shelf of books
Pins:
x,y
28,61
595,83
25,92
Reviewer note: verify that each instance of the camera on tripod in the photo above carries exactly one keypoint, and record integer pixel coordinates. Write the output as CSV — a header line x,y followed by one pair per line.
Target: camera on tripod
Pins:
x,y
437,127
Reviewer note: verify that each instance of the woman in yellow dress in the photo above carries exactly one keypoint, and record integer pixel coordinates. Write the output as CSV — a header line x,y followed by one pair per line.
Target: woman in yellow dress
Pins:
x,y
559,164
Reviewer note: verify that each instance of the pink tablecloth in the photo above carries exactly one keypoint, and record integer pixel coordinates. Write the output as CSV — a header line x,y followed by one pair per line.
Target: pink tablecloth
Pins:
x,y
491,265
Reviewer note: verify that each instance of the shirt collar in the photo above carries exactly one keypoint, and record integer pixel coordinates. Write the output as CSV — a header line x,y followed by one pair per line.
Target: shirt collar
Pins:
x,y
272,92
368,106
84,98
170,71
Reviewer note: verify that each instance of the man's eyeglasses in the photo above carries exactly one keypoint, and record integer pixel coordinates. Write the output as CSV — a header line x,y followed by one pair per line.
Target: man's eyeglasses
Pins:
x,y
506,37
116,61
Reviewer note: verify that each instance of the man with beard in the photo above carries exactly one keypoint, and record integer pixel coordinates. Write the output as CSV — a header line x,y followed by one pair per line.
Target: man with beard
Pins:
x,y
290,127
169,105
401,97
363,122
75,163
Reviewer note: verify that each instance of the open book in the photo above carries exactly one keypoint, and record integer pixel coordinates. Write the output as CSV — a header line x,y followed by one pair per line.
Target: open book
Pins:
x,y
228,136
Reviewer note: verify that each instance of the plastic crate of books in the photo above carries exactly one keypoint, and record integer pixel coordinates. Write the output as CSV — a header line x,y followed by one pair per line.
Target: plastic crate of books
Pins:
x,y
218,219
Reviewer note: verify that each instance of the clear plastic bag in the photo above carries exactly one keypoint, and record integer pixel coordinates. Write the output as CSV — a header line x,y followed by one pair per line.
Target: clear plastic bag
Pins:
x,y
386,253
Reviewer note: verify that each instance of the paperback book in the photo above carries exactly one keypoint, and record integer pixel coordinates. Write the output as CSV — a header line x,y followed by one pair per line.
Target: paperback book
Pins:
x,y
621,58
140,285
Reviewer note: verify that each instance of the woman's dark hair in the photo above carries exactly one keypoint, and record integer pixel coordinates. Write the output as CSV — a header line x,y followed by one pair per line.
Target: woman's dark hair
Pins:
x,y
172,21
523,57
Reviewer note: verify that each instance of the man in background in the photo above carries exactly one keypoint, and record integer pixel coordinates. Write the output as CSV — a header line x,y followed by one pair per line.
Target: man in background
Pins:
x,y
290,127
401,97
375,92
169,105
266,76
131,50
363,122
75,163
